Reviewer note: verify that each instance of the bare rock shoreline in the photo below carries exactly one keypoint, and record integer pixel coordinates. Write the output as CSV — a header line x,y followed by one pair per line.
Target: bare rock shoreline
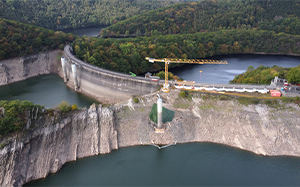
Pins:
x,y
257,128
55,140
21,68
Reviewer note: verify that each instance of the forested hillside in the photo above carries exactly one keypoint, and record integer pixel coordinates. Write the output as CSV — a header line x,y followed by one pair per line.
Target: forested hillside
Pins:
x,y
125,55
264,75
261,75
60,14
212,15
18,39
241,27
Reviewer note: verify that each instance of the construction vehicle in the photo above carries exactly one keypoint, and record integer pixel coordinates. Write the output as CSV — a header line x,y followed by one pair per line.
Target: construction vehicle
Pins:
x,y
132,74
167,61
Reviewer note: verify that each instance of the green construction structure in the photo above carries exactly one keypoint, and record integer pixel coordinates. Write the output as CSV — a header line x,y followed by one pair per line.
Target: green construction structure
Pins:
x,y
167,115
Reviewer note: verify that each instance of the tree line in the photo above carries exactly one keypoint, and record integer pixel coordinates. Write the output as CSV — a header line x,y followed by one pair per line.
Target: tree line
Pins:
x,y
264,75
209,15
128,54
62,14
261,75
17,39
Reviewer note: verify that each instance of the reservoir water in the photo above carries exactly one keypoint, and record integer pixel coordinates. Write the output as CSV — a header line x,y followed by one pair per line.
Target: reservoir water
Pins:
x,y
89,31
193,164
237,64
47,90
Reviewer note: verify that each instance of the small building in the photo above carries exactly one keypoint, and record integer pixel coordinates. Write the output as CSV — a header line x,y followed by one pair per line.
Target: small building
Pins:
x,y
277,81
148,75
275,93
153,78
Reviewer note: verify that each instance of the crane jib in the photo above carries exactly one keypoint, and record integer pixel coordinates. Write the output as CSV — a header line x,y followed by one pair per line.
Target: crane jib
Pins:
x,y
176,60
190,61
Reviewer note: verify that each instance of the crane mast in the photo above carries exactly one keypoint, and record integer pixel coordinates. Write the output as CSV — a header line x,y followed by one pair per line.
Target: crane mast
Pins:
x,y
167,61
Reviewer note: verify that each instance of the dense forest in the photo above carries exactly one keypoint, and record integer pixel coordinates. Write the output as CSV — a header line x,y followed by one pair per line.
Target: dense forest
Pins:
x,y
128,54
61,14
264,75
17,39
212,15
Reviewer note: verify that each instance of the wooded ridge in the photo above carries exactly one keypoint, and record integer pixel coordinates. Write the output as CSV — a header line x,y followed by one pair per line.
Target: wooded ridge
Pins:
x,y
125,55
212,15
61,14
18,39
128,54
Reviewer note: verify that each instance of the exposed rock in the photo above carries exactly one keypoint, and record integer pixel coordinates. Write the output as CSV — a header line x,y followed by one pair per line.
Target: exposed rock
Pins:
x,y
55,141
3,74
256,128
21,68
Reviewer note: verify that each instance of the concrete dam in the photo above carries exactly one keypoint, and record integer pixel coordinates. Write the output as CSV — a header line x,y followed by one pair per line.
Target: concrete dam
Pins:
x,y
101,83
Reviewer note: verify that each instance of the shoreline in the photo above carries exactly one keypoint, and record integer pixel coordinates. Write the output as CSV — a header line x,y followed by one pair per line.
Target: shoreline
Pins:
x,y
56,69
253,128
20,68
53,66
98,130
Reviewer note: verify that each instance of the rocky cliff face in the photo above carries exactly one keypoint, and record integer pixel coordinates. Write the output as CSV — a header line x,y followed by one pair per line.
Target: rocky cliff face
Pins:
x,y
55,141
259,128
20,68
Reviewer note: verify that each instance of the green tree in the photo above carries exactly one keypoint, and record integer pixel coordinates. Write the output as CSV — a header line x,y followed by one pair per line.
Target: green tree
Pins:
x,y
161,52
127,33
294,75
64,106
138,33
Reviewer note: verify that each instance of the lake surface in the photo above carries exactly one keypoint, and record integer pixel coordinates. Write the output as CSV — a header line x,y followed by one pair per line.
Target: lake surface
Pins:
x,y
89,31
237,64
48,90
193,164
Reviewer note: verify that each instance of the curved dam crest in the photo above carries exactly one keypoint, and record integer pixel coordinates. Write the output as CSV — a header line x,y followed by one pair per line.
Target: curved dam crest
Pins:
x,y
103,84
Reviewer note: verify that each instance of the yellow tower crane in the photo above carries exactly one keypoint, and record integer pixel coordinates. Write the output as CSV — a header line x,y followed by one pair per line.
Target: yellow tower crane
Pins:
x,y
167,61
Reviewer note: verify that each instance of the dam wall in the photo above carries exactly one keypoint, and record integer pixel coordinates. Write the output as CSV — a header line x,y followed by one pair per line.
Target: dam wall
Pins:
x,y
101,83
